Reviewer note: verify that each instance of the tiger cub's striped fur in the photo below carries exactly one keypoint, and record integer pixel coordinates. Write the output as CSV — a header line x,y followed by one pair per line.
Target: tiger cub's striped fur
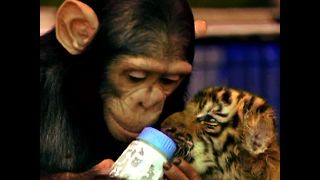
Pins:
x,y
226,133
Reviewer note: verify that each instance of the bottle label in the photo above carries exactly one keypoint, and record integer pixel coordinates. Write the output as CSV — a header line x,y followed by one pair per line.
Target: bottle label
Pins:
x,y
139,161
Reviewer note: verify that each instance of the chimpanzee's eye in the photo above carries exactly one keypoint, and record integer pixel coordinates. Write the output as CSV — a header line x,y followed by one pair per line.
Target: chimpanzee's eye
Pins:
x,y
170,79
137,76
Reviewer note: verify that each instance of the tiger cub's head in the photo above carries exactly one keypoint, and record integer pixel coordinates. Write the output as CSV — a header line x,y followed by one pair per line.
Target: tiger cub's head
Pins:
x,y
217,124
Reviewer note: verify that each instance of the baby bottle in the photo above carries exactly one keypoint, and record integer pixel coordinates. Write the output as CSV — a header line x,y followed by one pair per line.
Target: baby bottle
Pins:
x,y
144,157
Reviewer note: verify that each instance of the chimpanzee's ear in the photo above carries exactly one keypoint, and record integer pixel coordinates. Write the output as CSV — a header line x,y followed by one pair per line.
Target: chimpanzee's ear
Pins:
x,y
76,25
200,27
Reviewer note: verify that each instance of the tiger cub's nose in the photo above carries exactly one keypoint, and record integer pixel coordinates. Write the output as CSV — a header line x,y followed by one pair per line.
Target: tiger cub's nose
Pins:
x,y
169,130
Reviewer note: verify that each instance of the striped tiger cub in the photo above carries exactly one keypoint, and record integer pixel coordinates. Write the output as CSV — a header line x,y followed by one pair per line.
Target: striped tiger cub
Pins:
x,y
226,133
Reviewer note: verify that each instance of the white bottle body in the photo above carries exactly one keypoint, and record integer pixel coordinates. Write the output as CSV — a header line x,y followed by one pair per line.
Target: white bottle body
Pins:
x,y
139,161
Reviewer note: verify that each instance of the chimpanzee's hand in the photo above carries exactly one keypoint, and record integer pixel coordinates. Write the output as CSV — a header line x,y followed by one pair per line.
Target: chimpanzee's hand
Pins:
x,y
180,169
99,171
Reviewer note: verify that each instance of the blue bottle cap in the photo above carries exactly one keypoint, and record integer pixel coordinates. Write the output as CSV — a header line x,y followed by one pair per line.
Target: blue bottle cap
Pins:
x,y
158,140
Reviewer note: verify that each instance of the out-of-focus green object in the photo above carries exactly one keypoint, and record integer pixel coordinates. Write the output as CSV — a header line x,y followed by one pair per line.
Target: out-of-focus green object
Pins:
x,y
50,2
231,3
199,3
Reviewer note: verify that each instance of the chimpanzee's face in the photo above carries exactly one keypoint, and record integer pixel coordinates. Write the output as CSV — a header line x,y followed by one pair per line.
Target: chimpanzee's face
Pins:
x,y
141,86
135,88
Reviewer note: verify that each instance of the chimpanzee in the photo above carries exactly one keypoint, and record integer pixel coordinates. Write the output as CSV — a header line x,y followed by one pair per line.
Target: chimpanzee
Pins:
x,y
108,69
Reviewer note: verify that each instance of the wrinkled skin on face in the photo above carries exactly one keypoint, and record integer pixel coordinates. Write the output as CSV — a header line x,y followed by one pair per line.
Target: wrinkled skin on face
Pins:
x,y
142,86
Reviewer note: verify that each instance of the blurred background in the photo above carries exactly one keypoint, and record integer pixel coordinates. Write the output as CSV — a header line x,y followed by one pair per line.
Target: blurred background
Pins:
x,y
241,48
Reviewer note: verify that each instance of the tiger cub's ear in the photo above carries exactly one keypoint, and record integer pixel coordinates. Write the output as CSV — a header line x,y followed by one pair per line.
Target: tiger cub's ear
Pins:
x,y
259,131
76,25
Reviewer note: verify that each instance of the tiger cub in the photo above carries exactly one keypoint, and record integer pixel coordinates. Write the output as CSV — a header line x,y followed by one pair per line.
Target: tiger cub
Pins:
x,y
226,133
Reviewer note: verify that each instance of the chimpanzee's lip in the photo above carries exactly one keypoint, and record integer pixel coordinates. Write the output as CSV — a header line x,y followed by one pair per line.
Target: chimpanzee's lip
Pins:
x,y
124,131
128,133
